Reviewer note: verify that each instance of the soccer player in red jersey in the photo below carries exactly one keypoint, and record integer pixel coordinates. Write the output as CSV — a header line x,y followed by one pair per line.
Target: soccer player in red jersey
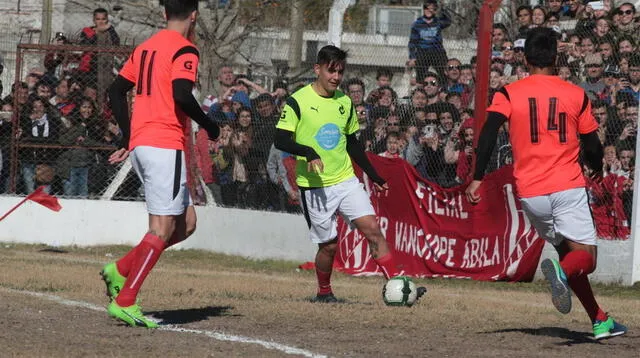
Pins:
x,y
163,71
548,118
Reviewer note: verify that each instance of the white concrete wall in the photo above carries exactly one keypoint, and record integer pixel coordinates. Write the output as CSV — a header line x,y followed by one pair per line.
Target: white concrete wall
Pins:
x,y
252,234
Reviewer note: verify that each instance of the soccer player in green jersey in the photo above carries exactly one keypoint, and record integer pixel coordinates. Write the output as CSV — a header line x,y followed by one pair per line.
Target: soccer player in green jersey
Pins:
x,y
319,124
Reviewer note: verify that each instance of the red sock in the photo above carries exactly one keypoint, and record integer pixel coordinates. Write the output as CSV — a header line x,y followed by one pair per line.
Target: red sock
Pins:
x,y
148,253
124,264
324,282
582,289
577,263
387,265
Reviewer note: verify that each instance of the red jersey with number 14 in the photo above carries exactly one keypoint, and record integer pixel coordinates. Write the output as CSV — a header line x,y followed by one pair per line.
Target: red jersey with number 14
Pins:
x,y
152,67
546,116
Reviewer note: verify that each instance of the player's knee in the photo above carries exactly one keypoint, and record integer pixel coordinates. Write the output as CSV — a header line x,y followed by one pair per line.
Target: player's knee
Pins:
x,y
329,247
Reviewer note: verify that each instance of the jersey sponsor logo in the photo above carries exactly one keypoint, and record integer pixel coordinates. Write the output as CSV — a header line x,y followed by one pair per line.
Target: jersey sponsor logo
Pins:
x,y
188,65
328,136
341,109
315,109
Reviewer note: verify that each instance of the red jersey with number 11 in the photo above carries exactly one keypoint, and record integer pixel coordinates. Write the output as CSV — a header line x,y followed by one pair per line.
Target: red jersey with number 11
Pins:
x,y
546,116
152,67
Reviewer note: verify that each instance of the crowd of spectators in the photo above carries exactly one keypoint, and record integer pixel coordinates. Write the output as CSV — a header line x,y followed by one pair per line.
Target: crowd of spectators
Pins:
x,y
63,119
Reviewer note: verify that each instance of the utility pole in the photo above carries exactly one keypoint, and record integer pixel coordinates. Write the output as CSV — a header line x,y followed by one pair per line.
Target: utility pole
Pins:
x,y
45,31
296,15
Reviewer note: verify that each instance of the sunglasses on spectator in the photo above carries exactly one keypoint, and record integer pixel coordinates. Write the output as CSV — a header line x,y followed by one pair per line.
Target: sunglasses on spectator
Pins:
x,y
432,83
452,67
518,49
507,48
626,12
395,124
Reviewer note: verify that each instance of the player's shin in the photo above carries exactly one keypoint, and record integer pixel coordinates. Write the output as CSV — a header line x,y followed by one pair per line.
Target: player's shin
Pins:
x,y
324,266
148,253
582,289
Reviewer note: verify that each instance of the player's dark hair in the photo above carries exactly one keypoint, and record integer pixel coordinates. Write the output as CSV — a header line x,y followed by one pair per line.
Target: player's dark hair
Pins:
x,y
541,47
100,10
179,9
331,54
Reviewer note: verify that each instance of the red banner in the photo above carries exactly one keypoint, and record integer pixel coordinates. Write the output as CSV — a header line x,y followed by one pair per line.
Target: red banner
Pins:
x,y
435,232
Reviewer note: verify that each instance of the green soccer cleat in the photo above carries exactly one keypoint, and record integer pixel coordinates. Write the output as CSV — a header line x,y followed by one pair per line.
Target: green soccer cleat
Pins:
x,y
113,279
560,291
131,315
608,329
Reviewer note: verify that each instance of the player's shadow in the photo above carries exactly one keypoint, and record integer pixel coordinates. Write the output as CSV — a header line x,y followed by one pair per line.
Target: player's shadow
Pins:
x,y
571,337
189,315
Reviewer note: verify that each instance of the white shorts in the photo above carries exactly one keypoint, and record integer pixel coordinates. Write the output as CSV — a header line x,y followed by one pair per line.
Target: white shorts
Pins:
x,y
562,215
163,174
321,206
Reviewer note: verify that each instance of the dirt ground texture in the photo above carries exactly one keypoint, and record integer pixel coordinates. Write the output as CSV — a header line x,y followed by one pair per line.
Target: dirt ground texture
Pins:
x,y
53,305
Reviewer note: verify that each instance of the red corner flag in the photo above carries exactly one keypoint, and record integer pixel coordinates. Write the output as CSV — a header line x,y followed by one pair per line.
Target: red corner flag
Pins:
x,y
44,199
40,197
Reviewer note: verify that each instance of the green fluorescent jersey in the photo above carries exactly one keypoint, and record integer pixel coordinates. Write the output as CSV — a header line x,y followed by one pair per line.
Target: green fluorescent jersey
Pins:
x,y
322,124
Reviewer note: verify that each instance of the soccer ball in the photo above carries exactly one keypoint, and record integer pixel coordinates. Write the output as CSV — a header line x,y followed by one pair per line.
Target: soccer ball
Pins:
x,y
400,291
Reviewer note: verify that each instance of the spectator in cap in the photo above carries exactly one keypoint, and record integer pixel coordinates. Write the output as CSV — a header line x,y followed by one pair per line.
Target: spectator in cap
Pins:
x,y
593,84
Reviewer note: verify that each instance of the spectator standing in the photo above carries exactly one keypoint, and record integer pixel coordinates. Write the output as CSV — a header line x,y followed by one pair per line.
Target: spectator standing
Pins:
x,y
425,41
97,67
453,83
524,19
38,125
632,85
62,99
72,166
627,25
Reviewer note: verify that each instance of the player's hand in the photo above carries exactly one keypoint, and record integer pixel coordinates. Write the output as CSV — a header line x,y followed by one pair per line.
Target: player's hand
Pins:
x,y
472,192
315,166
118,156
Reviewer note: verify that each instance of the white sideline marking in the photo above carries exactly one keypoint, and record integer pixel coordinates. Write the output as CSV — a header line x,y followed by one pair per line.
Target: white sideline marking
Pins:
x,y
220,336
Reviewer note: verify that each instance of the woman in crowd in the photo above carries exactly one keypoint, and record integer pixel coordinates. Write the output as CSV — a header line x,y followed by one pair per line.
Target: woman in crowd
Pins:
x,y
73,164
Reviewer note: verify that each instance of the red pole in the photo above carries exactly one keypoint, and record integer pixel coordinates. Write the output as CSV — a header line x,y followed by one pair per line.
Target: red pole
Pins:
x,y
485,29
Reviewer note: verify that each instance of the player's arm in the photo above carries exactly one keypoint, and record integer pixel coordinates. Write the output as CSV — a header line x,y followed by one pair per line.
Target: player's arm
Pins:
x,y
118,99
285,131
591,145
593,151
184,99
487,142
285,142
357,153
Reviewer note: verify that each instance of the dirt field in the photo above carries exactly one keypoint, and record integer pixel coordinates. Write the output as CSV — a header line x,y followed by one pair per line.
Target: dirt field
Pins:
x,y
53,305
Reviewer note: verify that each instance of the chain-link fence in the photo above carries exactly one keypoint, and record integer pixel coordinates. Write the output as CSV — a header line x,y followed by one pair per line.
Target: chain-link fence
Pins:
x,y
412,83
57,126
